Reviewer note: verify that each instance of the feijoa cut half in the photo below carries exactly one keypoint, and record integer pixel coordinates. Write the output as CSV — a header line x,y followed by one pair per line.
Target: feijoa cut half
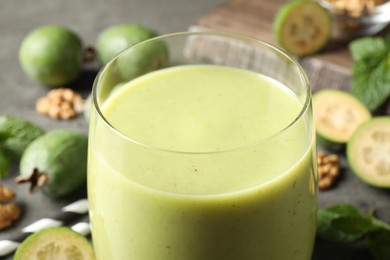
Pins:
x,y
55,243
302,27
368,152
337,114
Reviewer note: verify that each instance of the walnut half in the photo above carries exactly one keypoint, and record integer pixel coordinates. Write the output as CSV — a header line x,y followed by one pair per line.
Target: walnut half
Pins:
x,y
328,170
61,103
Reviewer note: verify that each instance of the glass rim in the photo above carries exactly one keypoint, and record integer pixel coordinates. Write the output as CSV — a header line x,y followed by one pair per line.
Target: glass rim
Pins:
x,y
243,37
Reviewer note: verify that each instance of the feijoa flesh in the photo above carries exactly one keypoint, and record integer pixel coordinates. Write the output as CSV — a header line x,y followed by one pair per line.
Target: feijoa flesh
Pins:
x,y
302,27
337,114
368,152
55,243
51,55
56,162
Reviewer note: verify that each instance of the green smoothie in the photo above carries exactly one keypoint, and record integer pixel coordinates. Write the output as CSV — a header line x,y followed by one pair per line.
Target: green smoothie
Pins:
x,y
202,162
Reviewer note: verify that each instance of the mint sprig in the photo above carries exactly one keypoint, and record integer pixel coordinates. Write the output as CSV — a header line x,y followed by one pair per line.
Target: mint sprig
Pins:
x,y
5,164
328,228
344,223
16,134
370,81
379,243
5,161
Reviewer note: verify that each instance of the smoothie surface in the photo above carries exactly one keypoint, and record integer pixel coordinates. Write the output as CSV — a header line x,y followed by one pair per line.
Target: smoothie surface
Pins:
x,y
201,108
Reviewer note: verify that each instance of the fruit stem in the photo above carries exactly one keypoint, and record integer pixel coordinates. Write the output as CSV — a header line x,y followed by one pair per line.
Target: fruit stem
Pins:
x,y
36,179
89,54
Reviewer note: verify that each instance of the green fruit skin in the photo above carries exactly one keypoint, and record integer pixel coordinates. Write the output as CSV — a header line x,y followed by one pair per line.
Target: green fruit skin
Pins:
x,y
51,55
379,120
21,133
62,155
142,59
116,38
28,248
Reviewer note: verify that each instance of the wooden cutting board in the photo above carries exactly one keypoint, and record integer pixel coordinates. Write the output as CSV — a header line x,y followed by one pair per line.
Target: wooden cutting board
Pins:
x,y
329,69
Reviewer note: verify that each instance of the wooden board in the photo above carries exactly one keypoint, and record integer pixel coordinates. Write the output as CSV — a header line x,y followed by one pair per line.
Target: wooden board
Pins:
x,y
330,68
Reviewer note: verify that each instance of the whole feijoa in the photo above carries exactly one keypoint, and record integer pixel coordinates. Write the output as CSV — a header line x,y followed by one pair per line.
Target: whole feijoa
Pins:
x,y
51,55
56,162
116,38
143,59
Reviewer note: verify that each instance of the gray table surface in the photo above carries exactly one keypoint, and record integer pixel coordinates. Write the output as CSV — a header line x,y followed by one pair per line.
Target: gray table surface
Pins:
x,y
87,17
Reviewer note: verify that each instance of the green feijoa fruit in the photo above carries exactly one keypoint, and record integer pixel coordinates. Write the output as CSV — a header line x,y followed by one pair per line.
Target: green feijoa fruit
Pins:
x,y
302,27
55,243
116,38
337,114
51,55
56,162
19,134
143,58
368,152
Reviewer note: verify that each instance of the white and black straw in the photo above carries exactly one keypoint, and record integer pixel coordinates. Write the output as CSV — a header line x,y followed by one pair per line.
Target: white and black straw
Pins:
x,y
68,214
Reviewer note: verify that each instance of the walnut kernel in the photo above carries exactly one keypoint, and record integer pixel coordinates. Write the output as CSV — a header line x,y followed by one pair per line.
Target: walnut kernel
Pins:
x,y
328,170
9,211
61,103
354,8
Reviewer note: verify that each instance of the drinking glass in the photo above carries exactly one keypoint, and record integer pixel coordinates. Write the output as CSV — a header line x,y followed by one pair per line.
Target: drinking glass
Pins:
x,y
202,147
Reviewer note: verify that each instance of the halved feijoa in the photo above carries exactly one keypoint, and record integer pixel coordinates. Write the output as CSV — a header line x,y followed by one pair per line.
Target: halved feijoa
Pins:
x,y
302,27
337,114
55,243
368,152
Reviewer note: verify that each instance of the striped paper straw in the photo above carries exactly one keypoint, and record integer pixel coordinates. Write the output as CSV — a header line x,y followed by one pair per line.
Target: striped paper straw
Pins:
x,y
68,214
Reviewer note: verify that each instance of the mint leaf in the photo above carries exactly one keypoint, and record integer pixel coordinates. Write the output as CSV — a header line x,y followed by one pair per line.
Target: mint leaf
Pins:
x,y
353,225
371,81
344,210
4,135
344,223
379,244
371,70
4,164
22,132
327,230
367,47
379,224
